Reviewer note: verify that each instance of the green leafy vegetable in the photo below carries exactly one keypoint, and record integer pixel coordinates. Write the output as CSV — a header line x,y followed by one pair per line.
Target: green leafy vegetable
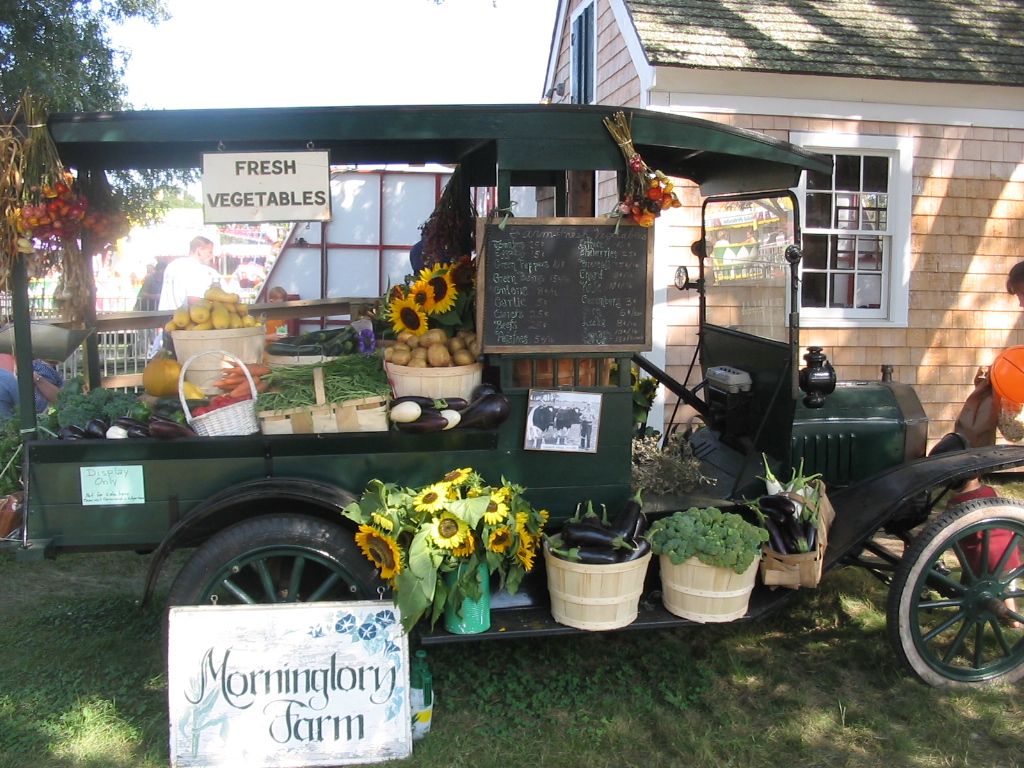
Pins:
x,y
76,407
717,538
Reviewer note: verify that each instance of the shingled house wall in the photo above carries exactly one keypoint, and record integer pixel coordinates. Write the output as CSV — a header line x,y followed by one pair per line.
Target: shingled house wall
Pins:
x,y
966,232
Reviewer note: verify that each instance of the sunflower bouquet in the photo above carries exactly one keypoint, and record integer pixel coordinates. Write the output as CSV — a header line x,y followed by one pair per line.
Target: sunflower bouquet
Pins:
x,y
438,297
415,535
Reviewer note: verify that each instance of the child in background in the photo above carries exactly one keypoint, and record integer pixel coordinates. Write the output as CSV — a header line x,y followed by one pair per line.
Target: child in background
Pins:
x,y
276,328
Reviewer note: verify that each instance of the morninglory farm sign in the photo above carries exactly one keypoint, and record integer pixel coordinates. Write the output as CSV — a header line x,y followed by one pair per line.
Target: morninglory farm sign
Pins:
x,y
283,686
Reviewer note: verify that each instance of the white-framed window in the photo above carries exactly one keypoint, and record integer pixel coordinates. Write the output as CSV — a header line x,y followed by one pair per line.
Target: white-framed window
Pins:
x,y
856,231
584,53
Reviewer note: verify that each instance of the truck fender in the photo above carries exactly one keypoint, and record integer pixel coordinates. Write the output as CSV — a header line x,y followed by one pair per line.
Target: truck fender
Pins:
x,y
864,508
229,506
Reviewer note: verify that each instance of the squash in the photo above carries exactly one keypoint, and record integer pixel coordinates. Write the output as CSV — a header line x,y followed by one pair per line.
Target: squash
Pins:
x,y
160,377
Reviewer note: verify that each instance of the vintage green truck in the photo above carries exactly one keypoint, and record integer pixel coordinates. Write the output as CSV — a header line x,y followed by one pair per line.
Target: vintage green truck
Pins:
x,y
262,512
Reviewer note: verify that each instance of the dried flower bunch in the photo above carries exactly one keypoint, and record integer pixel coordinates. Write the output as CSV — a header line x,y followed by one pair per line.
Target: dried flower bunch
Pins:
x,y
449,234
668,470
648,192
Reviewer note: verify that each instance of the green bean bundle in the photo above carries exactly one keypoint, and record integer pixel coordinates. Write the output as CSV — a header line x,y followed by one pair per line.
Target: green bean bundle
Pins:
x,y
347,378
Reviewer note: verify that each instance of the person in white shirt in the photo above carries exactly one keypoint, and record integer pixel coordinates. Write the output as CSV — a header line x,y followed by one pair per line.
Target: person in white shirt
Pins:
x,y
188,276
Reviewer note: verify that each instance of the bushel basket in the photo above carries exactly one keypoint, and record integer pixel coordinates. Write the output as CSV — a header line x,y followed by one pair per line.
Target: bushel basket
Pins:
x,y
235,419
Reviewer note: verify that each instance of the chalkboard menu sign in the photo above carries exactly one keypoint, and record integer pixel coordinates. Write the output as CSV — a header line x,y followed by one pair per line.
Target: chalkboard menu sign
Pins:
x,y
564,285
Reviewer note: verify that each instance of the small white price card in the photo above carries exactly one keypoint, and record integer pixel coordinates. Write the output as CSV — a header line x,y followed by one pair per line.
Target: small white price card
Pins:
x,y
113,486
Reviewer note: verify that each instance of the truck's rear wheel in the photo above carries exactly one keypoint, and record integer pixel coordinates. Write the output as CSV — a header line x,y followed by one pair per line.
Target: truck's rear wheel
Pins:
x,y
955,606
276,559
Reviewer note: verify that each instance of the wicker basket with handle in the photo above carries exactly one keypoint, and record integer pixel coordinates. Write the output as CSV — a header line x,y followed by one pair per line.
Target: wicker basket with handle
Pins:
x,y
235,419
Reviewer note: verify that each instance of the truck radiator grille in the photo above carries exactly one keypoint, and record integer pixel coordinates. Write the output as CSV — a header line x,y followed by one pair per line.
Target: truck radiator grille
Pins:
x,y
830,455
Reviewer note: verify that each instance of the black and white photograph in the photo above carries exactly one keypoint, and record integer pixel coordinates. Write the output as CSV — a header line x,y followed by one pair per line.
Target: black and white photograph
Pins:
x,y
562,421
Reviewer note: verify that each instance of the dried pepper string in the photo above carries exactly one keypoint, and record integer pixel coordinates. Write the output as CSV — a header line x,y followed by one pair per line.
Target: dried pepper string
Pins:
x,y
648,191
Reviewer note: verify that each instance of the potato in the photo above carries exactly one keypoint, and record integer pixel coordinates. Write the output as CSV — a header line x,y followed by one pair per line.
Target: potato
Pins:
x,y
455,344
388,352
434,336
474,347
418,362
437,355
403,337
463,357
412,341
420,353
401,356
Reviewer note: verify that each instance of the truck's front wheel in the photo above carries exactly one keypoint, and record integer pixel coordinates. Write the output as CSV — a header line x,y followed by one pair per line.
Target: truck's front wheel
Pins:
x,y
276,559
955,602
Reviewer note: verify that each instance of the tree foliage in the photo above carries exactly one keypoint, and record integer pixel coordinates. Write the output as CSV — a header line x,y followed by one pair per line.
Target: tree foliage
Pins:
x,y
61,51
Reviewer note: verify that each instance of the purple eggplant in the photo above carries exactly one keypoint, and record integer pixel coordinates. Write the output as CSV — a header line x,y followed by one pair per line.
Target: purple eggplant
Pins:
x,y
485,412
430,420
589,535
775,538
630,523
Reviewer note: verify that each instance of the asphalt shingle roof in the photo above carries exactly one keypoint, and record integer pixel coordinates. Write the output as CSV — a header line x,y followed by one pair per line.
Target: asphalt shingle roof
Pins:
x,y
967,41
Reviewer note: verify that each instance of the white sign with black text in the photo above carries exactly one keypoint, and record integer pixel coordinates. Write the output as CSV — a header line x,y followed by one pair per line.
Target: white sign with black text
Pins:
x,y
289,685
240,187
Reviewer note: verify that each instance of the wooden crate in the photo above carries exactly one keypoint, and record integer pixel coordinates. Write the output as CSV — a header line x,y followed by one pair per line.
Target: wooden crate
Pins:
x,y
367,414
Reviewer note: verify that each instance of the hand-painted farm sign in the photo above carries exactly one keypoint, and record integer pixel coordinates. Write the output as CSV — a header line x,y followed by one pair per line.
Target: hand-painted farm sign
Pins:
x,y
266,186
283,686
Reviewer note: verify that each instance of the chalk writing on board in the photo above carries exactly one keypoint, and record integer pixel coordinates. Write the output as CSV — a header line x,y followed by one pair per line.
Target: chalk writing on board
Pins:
x,y
564,284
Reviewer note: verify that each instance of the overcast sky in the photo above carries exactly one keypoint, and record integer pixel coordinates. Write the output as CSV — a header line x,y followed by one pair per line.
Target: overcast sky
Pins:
x,y
283,53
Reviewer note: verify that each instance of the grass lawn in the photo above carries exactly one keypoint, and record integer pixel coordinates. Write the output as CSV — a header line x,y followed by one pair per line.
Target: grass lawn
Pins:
x,y
83,685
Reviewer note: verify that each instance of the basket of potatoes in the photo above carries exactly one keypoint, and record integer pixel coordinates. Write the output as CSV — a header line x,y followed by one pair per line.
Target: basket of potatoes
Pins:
x,y
434,364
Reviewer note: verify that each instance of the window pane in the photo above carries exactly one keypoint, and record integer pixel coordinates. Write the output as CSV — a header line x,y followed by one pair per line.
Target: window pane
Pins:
x,y
847,212
815,251
842,291
847,172
870,254
818,180
813,290
876,174
869,292
845,248
819,210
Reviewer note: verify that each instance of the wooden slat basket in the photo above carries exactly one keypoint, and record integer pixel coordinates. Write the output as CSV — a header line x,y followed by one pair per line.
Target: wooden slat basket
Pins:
x,y
595,597
803,570
367,414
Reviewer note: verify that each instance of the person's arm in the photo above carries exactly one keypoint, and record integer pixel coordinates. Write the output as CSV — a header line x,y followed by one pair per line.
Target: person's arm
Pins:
x,y
46,388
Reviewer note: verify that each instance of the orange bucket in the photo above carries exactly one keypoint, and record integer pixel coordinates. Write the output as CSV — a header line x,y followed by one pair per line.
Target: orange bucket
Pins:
x,y
1007,374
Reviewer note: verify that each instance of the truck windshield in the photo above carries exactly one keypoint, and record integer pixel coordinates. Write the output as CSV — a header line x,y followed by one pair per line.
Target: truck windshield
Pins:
x,y
746,273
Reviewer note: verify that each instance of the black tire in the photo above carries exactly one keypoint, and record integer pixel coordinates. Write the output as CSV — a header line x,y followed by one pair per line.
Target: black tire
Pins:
x,y
276,559
948,618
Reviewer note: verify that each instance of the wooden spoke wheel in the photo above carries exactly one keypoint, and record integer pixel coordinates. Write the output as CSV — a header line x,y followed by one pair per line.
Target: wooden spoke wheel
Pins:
x,y
955,603
276,559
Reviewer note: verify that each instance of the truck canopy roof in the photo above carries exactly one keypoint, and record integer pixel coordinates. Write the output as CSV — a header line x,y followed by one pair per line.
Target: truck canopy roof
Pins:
x,y
532,144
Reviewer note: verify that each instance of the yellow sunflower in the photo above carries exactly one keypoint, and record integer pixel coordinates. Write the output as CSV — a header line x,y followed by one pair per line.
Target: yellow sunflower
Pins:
x,y
381,550
526,551
422,295
443,291
458,476
496,511
500,539
466,549
431,498
383,522
448,531
406,315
